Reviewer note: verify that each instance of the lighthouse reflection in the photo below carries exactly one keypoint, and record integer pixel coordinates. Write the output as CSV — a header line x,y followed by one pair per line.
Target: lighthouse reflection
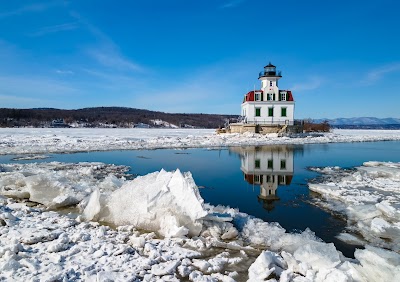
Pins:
x,y
267,167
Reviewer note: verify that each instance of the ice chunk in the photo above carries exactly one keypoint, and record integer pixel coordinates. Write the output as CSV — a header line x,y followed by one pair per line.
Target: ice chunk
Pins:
x,y
93,206
332,275
384,229
363,212
387,209
266,264
45,189
378,264
165,268
166,202
318,255
350,239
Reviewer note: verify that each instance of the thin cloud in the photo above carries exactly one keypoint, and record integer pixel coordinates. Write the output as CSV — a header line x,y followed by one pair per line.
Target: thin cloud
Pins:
x,y
379,73
31,8
109,57
311,84
114,82
231,4
211,89
34,86
107,52
65,72
22,101
55,28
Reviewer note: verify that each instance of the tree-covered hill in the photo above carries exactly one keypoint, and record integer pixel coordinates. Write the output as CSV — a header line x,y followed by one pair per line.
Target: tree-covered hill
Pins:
x,y
107,116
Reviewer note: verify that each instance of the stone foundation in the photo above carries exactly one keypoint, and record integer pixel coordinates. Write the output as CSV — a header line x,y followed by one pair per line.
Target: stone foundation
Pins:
x,y
262,128
242,128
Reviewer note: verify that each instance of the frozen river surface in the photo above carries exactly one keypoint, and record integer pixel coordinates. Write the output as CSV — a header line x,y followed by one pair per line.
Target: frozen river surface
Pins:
x,y
53,140
202,242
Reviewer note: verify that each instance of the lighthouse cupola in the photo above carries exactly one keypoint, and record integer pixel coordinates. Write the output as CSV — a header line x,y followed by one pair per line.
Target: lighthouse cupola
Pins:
x,y
269,71
269,79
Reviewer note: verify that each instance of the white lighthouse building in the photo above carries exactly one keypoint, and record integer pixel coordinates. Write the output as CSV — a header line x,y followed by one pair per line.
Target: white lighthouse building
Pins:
x,y
269,105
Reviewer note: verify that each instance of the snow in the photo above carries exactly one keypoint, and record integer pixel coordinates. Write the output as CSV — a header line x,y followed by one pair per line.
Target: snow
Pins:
x,y
60,140
370,199
159,122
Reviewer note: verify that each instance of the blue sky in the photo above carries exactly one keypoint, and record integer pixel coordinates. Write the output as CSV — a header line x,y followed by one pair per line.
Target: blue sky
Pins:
x,y
340,58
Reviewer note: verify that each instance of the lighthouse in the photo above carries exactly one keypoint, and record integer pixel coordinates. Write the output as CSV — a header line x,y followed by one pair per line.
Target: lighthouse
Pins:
x,y
268,106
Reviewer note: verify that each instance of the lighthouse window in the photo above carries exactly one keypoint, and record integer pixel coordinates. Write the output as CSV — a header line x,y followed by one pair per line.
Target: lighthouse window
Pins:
x,y
270,83
283,164
258,112
270,112
283,112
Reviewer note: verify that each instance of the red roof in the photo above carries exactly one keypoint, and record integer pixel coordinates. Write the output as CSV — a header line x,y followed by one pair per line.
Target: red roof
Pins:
x,y
249,178
290,96
250,95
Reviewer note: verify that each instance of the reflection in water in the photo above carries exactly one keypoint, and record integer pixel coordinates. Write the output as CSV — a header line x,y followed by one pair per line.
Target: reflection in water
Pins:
x,y
267,167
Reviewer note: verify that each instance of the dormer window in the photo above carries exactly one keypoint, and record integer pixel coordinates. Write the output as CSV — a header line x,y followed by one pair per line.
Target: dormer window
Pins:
x,y
258,96
283,96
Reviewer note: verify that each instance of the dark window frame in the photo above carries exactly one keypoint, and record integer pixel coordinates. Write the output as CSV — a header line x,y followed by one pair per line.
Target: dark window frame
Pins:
x,y
270,111
283,164
282,113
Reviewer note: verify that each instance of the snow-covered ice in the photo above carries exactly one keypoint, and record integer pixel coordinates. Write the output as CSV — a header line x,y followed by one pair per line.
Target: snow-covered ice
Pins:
x,y
58,184
369,196
58,140
41,245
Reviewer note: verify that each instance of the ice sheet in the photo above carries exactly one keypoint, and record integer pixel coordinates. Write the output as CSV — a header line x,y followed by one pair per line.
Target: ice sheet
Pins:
x,y
58,140
370,195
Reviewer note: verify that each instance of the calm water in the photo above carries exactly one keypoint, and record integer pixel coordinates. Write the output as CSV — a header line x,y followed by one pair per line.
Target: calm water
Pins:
x,y
269,182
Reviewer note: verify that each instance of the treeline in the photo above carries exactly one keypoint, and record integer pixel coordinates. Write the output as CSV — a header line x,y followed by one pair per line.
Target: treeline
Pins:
x,y
310,126
100,116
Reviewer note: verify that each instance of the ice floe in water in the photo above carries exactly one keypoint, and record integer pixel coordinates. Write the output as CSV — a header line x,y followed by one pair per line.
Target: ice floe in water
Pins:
x,y
369,196
202,243
30,157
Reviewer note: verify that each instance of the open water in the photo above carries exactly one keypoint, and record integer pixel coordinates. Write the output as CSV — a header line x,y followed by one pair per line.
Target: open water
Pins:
x,y
268,182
